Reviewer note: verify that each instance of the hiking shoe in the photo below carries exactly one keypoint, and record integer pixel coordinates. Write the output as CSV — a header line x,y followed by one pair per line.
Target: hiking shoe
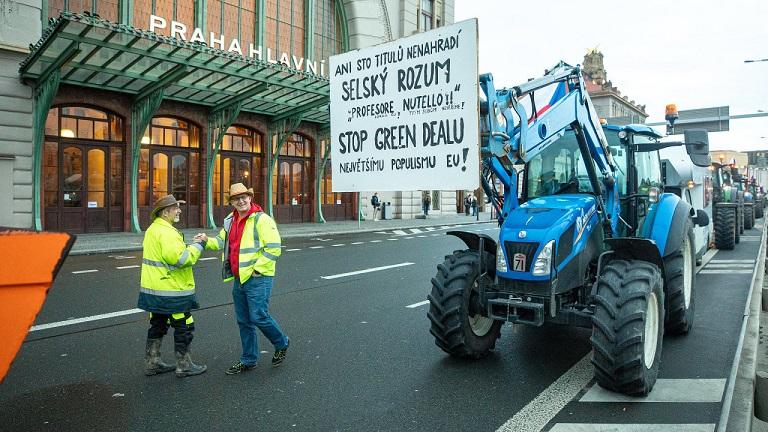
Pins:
x,y
279,356
239,367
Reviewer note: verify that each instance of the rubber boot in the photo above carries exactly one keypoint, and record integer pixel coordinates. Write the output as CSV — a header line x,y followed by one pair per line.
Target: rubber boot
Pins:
x,y
153,362
185,366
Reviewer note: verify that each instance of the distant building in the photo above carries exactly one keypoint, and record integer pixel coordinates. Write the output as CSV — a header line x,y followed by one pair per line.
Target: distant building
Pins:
x,y
608,101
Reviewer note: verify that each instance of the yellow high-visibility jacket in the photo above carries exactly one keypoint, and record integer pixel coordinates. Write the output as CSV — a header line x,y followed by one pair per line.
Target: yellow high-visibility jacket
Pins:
x,y
167,284
259,247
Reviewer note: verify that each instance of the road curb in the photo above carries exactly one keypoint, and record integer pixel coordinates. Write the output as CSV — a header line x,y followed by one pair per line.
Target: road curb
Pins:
x,y
738,402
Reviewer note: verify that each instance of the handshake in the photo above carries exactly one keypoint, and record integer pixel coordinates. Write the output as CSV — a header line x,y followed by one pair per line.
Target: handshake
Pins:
x,y
200,238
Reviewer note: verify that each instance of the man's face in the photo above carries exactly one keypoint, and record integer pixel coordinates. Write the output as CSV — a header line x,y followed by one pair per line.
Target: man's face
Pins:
x,y
172,213
241,202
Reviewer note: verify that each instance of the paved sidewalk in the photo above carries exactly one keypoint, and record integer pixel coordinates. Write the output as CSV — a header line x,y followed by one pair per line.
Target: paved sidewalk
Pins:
x,y
125,241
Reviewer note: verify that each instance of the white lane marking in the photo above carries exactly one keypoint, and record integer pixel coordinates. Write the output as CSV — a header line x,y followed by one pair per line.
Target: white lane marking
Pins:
x,y
317,247
435,235
208,258
399,232
415,305
368,270
421,236
380,232
292,250
82,320
665,390
357,242
337,245
408,238
430,228
84,271
375,241
725,271
730,265
120,257
415,230
725,261
617,427
751,238
707,258
540,411
756,239
126,267
392,239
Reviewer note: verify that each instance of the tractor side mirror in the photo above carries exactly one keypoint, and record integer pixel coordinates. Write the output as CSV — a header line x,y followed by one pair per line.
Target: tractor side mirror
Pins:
x,y
697,146
701,219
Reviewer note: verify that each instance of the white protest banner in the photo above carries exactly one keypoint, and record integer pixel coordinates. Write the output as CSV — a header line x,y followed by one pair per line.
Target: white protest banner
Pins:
x,y
404,115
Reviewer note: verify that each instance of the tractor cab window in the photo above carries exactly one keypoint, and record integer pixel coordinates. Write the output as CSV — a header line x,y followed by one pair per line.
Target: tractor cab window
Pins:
x,y
558,169
648,167
619,153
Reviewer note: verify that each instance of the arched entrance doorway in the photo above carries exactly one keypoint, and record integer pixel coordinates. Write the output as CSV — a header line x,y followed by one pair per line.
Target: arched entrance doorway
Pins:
x,y
292,192
83,170
169,163
239,161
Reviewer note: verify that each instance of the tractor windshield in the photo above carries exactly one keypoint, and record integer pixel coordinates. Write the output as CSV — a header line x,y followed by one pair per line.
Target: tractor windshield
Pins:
x,y
558,169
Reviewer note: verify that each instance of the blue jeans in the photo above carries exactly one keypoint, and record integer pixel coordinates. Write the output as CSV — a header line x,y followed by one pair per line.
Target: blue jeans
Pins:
x,y
252,310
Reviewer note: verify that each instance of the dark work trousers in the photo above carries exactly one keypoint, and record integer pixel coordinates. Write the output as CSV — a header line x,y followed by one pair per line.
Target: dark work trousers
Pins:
x,y
183,326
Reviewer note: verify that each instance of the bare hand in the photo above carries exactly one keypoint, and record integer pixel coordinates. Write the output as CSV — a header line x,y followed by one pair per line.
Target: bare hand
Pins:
x,y
201,237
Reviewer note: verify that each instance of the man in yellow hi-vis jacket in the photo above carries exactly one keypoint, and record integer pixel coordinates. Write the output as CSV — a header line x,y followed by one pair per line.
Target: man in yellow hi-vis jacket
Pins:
x,y
168,289
251,245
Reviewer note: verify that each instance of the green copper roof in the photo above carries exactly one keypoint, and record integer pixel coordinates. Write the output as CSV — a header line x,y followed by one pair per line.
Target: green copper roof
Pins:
x,y
93,52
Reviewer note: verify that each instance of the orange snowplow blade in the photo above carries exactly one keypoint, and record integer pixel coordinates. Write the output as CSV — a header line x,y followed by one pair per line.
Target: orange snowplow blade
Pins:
x,y
29,262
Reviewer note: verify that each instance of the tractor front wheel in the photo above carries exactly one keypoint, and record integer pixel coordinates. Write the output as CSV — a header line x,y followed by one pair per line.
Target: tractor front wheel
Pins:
x,y
628,326
455,313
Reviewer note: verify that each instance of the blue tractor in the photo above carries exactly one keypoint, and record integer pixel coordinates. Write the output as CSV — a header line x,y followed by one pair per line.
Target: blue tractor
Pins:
x,y
588,237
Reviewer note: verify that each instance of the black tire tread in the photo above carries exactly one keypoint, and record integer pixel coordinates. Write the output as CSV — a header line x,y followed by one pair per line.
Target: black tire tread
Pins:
x,y
725,228
448,313
617,335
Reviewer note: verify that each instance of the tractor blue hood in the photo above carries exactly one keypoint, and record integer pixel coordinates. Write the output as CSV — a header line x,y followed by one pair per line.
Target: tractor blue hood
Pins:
x,y
545,218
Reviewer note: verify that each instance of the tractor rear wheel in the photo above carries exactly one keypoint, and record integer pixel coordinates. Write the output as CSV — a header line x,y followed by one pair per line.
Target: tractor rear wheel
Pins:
x,y
679,286
749,217
725,228
457,321
628,326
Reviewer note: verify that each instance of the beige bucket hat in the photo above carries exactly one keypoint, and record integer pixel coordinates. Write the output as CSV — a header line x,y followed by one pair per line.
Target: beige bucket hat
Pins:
x,y
239,189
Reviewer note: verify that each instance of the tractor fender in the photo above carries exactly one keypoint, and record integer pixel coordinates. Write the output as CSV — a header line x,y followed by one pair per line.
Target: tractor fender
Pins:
x,y
630,248
472,240
666,226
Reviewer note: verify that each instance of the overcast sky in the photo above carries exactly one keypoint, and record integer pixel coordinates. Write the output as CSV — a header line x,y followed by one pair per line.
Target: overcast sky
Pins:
x,y
656,52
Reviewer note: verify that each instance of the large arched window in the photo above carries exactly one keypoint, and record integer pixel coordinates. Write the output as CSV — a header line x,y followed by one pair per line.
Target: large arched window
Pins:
x,y
169,163
240,160
83,170
291,182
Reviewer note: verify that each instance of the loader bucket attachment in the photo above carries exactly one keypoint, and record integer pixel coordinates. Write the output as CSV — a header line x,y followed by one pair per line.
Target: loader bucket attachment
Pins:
x,y
30,261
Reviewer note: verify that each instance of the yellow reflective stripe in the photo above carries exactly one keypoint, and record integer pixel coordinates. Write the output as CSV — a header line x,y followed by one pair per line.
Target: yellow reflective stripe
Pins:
x,y
178,316
167,293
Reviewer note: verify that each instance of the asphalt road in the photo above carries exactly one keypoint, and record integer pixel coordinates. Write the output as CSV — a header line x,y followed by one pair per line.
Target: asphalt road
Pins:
x,y
361,355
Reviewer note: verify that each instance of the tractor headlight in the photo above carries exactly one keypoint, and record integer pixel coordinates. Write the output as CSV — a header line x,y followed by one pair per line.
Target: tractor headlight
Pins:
x,y
543,264
501,260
